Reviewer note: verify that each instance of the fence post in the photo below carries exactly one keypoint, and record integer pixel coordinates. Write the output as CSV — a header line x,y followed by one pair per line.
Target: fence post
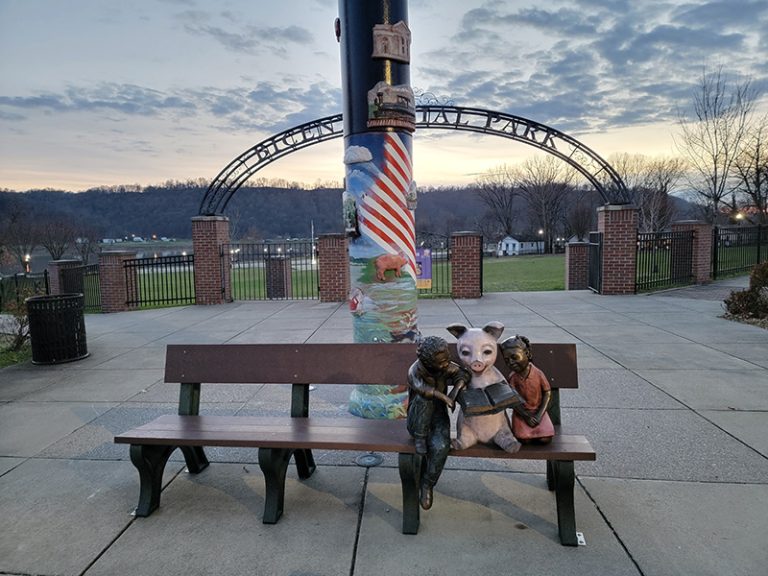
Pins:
x,y
466,265
333,267
213,276
618,223
55,271
701,262
576,266
112,284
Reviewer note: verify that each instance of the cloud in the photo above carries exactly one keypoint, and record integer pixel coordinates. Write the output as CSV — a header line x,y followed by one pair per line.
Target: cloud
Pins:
x,y
593,64
719,15
261,107
247,39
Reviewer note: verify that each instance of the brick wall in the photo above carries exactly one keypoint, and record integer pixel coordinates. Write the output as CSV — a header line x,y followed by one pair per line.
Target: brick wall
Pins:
x,y
112,281
466,265
209,234
702,248
333,265
619,227
577,266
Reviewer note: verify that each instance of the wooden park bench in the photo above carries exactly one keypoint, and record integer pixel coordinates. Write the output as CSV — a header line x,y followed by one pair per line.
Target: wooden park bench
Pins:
x,y
296,435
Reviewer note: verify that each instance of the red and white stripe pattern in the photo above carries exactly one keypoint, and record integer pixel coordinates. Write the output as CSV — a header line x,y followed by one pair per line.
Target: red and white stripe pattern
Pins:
x,y
382,212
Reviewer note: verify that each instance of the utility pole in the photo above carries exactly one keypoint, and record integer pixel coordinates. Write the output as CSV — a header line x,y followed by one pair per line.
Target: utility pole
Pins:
x,y
380,196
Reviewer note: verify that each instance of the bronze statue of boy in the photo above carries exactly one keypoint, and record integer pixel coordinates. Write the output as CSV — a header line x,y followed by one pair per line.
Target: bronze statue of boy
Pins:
x,y
428,400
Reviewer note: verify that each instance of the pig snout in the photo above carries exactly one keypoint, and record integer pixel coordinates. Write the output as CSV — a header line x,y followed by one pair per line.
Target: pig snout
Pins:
x,y
477,366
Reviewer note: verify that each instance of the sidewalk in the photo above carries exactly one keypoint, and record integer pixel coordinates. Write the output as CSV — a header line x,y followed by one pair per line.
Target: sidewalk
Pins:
x,y
673,398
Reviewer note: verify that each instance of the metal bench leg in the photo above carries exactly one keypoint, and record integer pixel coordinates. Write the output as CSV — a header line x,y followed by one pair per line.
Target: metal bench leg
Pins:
x,y
274,464
150,462
195,458
305,463
566,514
410,478
550,476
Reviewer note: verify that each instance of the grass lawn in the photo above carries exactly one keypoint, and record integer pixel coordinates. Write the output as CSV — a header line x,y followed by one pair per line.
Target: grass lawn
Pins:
x,y
8,358
524,273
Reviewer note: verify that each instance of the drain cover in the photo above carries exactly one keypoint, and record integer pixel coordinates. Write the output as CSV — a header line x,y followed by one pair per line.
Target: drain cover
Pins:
x,y
369,460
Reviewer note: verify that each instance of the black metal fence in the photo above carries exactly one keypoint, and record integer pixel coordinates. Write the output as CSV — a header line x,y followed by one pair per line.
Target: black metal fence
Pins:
x,y
83,280
664,260
272,270
595,270
737,249
20,286
439,285
161,281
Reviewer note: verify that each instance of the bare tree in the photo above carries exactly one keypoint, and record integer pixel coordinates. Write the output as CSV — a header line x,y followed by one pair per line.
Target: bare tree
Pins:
x,y
20,234
57,234
660,176
87,241
711,138
497,192
750,170
581,214
649,182
545,182
235,222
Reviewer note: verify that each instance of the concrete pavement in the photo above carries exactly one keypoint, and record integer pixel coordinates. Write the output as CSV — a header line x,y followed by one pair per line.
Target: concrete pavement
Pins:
x,y
673,398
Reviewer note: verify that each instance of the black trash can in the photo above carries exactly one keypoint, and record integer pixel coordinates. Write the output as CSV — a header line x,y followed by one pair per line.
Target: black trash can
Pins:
x,y
57,328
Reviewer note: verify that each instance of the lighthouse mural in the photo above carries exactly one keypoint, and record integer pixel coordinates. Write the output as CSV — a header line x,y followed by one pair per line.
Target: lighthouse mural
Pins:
x,y
379,199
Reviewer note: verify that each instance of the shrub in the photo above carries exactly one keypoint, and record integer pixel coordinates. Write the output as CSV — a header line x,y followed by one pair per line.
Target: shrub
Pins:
x,y
16,322
758,278
748,304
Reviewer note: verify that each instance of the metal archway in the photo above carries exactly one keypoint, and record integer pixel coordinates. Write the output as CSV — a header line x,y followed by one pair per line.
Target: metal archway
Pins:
x,y
441,117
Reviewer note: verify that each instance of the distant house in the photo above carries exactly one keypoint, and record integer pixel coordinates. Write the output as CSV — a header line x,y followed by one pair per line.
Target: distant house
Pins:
x,y
509,246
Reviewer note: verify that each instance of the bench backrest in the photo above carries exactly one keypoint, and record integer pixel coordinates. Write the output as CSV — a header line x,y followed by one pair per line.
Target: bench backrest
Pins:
x,y
378,363
304,364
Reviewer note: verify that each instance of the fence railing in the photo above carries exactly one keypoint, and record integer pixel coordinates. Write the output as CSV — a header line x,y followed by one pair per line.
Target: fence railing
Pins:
x,y
83,280
272,270
161,281
664,260
737,249
20,286
440,266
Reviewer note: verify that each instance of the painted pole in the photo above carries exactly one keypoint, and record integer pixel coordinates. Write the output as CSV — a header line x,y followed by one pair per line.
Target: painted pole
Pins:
x,y
380,195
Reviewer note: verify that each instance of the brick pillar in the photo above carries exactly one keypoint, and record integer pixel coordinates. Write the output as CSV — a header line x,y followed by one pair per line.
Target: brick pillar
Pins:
x,y
701,266
55,269
209,234
279,281
112,281
618,223
333,267
576,266
466,265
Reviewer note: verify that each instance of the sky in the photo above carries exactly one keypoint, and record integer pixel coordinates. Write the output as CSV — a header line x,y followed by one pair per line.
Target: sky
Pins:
x,y
118,92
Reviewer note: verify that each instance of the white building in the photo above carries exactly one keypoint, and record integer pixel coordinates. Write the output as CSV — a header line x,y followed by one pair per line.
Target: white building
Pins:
x,y
509,246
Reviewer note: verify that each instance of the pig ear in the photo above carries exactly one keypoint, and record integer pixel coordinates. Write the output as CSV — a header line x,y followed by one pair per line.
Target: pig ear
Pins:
x,y
494,329
456,329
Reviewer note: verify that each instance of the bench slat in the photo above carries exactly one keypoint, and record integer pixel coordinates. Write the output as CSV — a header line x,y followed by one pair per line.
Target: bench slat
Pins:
x,y
322,433
380,363
289,363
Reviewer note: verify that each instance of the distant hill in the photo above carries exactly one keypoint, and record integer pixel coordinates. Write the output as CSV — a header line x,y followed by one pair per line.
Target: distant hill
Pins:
x,y
263,212
255,212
